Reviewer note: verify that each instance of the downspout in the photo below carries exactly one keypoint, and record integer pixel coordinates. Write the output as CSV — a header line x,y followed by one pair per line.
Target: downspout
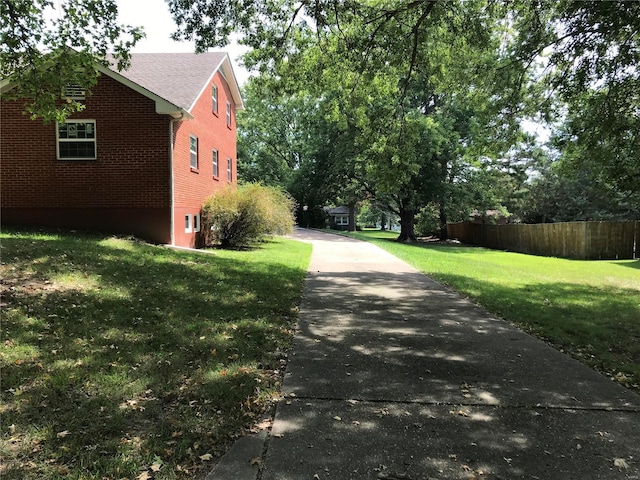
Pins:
x,y
180,118
171,189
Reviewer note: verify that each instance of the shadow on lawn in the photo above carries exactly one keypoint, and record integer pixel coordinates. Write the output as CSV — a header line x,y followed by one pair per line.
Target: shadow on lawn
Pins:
x,y
598,325
629,263
118,352
398,377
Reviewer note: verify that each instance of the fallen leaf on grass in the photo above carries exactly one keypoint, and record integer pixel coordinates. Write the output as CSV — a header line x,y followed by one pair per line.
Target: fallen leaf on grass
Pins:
x,y
621,463
462,413
144,476
206,457
156,466
62,434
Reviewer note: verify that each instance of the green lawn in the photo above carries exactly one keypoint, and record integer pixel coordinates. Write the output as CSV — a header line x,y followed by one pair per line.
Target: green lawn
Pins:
x,y
127,360
590,309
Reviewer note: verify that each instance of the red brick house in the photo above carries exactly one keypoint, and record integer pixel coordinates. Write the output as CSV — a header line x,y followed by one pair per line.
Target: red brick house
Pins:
x,y
152,143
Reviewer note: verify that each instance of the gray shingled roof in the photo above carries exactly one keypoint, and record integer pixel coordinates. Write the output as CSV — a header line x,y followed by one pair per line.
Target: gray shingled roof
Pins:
x,y
339,211
176,77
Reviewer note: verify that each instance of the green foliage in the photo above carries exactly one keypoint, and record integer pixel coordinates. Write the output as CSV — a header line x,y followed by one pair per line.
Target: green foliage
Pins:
x,y
428,220
602,142
414,103
586,54
374,213
273,136
237,217
118,356
554,197
46,46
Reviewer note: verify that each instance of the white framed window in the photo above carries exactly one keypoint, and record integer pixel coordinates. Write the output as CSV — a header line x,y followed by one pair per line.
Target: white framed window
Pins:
x,y
193,152
188,224
342,220
214,163
196,222
214,98
76,140
229,170
229,114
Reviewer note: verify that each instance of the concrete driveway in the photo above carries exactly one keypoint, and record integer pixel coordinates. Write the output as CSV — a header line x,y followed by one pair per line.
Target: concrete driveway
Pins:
x,y
393,376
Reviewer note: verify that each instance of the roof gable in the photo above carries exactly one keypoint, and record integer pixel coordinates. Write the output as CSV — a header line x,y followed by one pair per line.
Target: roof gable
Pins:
x,y
174,81
178,78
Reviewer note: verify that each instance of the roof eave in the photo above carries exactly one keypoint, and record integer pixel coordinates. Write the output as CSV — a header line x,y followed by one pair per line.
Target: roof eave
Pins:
x,y
227,71
6,84
163,107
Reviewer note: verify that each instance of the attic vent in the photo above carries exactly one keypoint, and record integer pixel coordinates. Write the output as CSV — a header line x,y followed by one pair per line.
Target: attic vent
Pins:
x,y
74,92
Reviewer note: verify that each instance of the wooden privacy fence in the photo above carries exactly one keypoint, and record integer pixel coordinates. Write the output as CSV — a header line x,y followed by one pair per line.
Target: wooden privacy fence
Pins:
x,y
583,240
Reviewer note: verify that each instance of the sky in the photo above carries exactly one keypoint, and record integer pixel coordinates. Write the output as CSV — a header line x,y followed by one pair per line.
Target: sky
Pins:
x,y
158,25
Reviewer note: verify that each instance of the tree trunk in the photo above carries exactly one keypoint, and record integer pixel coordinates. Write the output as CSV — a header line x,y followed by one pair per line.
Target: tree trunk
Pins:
x,y
383,222
352,217
407,221
444,234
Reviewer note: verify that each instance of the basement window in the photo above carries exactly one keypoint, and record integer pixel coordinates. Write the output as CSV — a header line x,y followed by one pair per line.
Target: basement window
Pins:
x,y
76,140
188,226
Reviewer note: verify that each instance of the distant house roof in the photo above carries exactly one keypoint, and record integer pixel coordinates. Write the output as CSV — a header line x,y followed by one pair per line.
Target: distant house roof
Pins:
x,y
339,211
181,77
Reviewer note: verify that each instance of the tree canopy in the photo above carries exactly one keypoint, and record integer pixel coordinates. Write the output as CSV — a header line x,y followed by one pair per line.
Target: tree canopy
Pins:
x,y
46,46
416,104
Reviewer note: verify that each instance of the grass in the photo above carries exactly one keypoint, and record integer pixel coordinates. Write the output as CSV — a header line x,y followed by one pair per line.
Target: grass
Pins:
x,y
127,360
589,309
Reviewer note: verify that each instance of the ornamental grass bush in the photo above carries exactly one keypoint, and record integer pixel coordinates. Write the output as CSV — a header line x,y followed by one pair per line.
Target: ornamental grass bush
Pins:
x,y
237,217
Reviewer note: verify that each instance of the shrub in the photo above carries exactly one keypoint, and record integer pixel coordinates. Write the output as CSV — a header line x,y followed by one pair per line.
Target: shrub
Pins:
x,y
428,221
236,217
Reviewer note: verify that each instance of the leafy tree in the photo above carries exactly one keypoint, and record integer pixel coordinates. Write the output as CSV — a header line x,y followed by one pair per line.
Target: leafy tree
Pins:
x,y
586,54
272,137
555,197
374,213
46,46
388,126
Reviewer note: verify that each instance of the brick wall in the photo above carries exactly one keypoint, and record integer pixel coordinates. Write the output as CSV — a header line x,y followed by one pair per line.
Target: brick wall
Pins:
x,y
192,187
128,186
131,171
